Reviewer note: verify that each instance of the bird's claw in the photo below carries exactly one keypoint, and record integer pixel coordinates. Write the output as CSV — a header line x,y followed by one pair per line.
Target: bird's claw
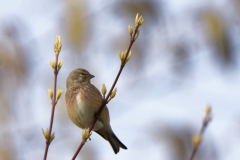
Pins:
x,y
97,115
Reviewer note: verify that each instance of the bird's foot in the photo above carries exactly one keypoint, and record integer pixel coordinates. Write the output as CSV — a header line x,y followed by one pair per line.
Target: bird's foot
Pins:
x,y
97,115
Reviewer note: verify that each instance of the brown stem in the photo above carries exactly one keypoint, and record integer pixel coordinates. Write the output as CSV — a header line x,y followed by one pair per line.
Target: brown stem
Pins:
x,y
203,128
79,149
105,100
53,108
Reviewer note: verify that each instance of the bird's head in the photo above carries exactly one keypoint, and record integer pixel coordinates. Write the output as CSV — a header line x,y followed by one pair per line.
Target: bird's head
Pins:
x,y
78,76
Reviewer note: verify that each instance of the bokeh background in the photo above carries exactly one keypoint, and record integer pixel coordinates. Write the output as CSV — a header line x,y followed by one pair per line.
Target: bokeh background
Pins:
x,y
186,56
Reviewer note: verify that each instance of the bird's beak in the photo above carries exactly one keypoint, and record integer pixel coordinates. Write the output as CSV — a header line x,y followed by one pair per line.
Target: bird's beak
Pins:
x,y
91,76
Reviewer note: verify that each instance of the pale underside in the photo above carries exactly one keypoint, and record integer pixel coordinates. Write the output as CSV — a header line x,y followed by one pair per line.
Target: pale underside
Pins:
x,y
84,108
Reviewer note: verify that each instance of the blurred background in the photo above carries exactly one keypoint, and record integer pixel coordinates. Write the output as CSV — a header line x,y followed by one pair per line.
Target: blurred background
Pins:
x,y
185,57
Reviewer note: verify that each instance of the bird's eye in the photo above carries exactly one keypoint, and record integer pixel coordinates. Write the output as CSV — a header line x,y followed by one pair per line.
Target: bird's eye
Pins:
x,y
82,74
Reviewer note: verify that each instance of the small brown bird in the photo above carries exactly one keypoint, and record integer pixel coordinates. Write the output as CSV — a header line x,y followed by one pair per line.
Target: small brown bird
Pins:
x,y
83,101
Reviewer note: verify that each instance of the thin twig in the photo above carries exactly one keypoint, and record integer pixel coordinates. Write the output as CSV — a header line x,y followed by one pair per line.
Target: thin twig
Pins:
x,y
53,108
105,100
206,121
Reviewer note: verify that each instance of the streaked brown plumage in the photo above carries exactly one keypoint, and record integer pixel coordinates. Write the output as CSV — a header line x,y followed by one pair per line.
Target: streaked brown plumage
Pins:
x,y
83,101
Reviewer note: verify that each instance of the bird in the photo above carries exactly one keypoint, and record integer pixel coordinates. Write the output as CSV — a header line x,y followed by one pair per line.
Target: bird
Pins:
x,y
83,101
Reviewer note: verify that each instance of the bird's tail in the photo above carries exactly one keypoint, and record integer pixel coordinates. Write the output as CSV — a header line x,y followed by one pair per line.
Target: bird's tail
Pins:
x,y
113,140
115,143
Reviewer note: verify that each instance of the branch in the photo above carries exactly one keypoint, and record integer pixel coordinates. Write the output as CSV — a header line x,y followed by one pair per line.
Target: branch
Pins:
x,y
54,96
198,138
124,57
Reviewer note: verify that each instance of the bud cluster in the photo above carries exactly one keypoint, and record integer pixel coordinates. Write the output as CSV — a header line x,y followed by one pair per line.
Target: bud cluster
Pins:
x,y
58,46
124,57
46,134
86,134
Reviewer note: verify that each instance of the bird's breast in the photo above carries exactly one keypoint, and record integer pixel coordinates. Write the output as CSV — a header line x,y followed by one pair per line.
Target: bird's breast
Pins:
x,y
83,103
84,110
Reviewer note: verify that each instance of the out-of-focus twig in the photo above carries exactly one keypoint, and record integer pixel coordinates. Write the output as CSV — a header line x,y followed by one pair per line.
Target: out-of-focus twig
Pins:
x,y
196,140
